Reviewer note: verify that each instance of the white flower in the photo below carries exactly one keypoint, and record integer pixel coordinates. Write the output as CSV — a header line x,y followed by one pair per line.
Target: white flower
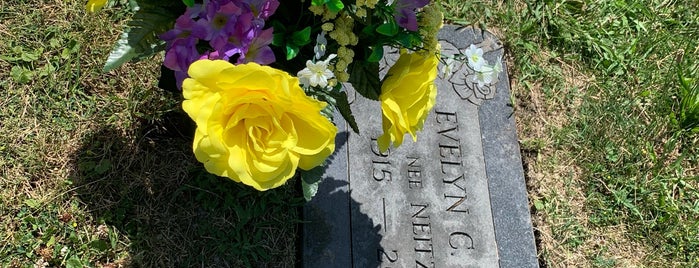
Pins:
x,y
485,76
498,65
316,74
497,68
475,57
319,48
64,251
449,65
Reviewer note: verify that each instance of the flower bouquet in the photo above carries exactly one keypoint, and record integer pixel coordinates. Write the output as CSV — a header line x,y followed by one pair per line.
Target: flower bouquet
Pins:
x,y
262,78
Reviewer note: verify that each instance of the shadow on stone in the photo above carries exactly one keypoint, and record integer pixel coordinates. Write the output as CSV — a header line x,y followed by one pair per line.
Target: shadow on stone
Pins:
x,y
150,189
327,236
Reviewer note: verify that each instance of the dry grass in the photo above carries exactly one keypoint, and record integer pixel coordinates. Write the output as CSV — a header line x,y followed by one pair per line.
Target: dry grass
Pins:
x,y
96,169
554,180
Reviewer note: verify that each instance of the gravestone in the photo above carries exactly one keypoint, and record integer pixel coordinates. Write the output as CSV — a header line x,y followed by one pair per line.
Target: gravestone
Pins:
x,y
454,198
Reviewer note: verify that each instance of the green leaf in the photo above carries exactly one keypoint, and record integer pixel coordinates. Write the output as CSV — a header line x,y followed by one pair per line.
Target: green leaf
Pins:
x,y
9,58
278,39
51,242
388,29
369,31
621,197
99,245
411,39
188,3
539,205
310,179
291,51
70,50
344,108
140,37
32,203
103,166
364,77
329,109
32,56
279,33
376,54
335,5
689,101
21,75
47,70
309,190
113,239
314,175
327,112
74,262
302,38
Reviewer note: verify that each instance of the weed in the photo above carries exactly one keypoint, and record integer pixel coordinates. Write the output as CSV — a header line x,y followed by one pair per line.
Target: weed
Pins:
x,y
689,99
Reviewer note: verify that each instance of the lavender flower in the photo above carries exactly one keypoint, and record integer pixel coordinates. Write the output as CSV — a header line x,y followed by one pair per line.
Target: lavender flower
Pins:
x,y
181,41
259,50
263,9
220,20
233,29
405,12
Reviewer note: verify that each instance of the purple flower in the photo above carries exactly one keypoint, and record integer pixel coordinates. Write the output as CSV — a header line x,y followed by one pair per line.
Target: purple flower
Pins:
x,y
404,12
182,53
233,29
181,44
259,50
178,58
220,20
239,36
185,27
263,9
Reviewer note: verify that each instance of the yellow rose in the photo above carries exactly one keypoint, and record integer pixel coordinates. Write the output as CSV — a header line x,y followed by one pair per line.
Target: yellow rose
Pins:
x,y
407,95
95,5
255,124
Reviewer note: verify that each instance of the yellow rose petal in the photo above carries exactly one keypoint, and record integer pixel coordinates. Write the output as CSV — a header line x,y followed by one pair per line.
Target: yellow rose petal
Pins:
x,y
95,5
209,73
255,124
407,95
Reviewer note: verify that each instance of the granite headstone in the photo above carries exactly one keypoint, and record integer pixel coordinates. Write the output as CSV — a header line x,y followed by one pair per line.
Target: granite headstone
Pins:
x,y
455,197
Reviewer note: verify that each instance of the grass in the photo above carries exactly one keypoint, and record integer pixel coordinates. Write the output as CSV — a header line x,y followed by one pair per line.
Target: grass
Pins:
x,y
94,172
93,168
612,175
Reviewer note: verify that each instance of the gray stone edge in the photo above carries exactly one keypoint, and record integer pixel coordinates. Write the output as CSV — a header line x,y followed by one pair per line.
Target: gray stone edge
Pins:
x,y
326,231
509,201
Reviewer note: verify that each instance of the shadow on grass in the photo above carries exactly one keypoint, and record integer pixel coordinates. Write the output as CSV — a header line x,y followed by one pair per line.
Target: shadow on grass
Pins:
x,y
172,212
